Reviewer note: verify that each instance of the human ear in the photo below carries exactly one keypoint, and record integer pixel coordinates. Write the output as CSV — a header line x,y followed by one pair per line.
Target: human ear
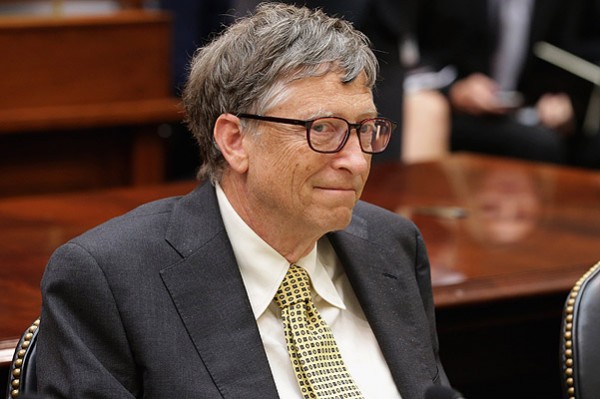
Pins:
x,y
229,138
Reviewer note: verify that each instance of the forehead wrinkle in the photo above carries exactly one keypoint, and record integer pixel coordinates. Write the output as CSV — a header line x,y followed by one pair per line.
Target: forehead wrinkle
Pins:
x,y
321,112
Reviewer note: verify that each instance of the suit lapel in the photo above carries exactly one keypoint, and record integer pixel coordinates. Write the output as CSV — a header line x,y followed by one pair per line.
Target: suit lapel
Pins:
x,y
388,293
208,292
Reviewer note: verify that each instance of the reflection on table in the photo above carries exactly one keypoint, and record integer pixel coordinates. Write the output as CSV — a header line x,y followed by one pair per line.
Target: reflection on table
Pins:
x,y
496,228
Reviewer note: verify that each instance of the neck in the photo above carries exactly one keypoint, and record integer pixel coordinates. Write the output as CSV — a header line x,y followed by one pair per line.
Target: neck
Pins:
x,y
292,244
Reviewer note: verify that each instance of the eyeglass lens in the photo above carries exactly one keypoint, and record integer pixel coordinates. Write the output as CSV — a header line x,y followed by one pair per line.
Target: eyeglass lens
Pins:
x,y
330,134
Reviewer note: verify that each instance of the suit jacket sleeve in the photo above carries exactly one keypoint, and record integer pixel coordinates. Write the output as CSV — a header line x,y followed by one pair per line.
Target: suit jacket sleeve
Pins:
x,y
76,295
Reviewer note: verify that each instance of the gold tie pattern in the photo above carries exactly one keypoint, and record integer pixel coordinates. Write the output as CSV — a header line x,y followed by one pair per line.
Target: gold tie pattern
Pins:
x,y
315,357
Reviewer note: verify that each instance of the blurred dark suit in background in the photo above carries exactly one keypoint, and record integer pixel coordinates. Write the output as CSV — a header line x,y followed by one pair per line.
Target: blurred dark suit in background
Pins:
x,y
466,34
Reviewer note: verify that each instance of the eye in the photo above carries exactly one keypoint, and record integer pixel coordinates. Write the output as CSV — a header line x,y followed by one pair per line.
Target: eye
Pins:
x,y
368,126
322,126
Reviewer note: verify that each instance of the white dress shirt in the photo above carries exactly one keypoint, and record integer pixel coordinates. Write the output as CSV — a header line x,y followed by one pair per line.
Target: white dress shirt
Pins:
x,y
263,269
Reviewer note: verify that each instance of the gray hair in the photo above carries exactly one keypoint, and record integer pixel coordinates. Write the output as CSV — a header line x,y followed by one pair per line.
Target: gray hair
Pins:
x,y
246,69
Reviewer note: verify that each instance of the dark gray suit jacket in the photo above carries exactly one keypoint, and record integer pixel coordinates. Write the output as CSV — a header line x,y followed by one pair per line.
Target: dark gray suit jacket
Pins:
x,y
152,304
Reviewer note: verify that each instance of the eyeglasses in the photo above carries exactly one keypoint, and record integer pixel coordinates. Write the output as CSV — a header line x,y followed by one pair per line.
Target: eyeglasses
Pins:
x,y
329,134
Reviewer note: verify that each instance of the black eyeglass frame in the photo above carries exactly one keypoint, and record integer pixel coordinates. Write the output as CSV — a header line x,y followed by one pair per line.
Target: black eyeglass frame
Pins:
x,y
307,124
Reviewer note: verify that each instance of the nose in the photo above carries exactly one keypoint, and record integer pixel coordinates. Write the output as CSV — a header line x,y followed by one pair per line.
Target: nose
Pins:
x,y
351,156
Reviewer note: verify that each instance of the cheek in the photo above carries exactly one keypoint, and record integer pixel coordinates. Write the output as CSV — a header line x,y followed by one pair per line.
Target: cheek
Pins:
x,y
284,170
296,176
294,168
283,165
279,164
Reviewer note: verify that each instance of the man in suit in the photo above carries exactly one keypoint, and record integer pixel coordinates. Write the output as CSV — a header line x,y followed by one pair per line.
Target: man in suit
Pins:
x,y
176,298
505,100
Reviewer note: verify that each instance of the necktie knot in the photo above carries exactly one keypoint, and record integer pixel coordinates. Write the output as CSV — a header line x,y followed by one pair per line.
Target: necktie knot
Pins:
x,y
294,288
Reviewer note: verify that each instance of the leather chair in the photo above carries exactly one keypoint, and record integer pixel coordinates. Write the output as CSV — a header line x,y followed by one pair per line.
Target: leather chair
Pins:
x,y
22,379
580,342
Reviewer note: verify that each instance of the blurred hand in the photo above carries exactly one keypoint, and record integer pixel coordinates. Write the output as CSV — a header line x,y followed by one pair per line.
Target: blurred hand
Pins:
x,y
555,111
477,95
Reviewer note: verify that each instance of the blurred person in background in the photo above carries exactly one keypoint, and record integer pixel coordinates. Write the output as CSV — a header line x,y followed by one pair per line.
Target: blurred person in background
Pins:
x,y
504,100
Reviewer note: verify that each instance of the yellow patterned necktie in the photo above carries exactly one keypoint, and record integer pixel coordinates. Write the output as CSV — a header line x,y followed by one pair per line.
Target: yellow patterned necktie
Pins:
x,y
315,357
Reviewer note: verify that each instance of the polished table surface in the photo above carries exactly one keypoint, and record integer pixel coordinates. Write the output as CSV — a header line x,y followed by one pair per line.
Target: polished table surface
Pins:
x,y
495,229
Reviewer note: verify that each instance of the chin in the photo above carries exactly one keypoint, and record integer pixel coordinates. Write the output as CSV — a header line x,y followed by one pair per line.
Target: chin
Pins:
x,y
337,219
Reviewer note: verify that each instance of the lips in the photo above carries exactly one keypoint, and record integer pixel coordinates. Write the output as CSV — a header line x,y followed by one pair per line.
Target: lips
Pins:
x,y
336,188
340,186
338,194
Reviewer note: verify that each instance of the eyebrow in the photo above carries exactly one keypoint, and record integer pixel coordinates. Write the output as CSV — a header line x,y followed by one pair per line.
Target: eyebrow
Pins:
x,y
321,113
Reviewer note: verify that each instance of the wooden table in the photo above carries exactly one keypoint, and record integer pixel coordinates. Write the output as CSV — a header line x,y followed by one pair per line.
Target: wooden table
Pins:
x,y
506,240
493,227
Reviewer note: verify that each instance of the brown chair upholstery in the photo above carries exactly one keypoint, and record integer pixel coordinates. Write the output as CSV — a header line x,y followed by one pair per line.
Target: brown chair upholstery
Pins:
x,y
22,379
580,343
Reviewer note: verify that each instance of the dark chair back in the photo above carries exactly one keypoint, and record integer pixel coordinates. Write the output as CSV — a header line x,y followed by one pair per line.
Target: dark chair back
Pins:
x,y
580,343
22,379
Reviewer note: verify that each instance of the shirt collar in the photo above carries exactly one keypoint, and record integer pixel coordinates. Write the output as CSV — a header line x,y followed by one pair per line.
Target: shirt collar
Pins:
x,y
263,268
